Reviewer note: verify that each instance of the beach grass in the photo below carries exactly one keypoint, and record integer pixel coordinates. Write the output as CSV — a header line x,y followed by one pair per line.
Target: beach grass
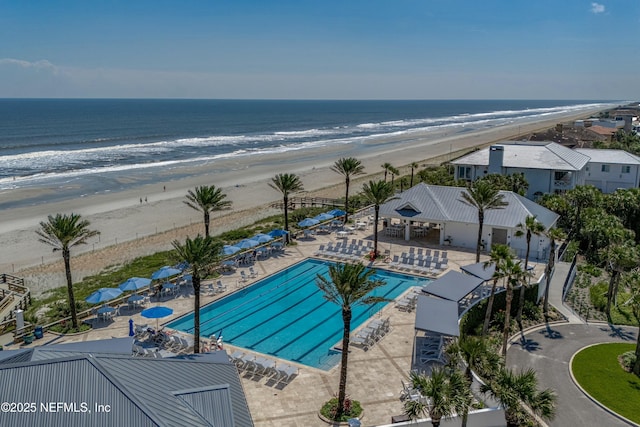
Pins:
x,y
56,298
599,373
109,278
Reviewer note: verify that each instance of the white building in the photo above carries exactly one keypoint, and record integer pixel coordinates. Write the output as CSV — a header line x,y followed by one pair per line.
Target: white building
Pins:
x,y
552,168
443,208
609,170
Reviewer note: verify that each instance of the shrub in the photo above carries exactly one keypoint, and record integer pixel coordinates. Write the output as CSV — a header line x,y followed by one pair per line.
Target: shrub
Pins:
x,y
571,251
598,295
590,269
352,409
627,360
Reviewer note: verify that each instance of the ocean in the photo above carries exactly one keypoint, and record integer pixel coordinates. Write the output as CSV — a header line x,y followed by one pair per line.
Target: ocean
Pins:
x,y
101,145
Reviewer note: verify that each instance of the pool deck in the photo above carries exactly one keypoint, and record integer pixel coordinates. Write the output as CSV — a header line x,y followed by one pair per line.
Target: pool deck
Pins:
x,y
374,375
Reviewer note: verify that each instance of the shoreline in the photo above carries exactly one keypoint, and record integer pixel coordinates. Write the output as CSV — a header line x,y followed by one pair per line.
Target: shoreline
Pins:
x,y
130,229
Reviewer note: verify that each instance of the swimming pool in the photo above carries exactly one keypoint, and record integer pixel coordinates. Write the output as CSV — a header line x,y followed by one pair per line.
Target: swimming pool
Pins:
x,y
286,316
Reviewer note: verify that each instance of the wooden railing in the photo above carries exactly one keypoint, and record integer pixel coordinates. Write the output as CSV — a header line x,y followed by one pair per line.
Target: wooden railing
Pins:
x,y
17,295
302,202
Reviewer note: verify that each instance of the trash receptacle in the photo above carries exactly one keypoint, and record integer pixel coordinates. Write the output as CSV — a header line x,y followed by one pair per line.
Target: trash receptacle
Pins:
x,y
37,332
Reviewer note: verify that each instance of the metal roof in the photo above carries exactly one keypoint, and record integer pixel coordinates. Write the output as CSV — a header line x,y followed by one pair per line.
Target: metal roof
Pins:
x,y
437,315
16,356
453,285
550,156
156,382
219,413
111,347
438,204
620,157
479,270
194,390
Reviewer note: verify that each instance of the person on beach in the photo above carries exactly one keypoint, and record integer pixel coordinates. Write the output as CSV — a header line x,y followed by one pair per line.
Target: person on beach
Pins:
x,y
140,200
145,200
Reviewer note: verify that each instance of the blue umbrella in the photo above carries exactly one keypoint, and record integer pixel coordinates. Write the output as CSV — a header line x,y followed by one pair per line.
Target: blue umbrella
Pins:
x,y
156,312
308,222
103,294
165,272
262,238
134,284
230,250
247,243
337,212
277,233
131,331
323,217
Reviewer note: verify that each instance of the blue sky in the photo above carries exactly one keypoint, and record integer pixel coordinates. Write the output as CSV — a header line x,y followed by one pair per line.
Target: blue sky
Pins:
x,y
369,49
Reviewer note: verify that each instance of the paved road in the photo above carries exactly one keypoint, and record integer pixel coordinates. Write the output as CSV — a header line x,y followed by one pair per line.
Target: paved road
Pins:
x,y
549,351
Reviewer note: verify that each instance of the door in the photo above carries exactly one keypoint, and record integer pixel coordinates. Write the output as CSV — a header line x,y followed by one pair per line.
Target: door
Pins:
x,y
498,235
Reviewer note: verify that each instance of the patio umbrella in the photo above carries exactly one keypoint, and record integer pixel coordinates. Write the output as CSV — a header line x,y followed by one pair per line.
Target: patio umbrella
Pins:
x,y
337,212
134,284
308,222
157,313
103,294
247,243
323,217
262,238
230,250
277,233
165,272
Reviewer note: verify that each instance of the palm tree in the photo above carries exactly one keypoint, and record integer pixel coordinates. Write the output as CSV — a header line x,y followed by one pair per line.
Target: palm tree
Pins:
x,y
478,357
633,282
515,276
513,390
348,167
530,228
286,183
347,286
200,253
207,199
377,193
447,392
63,232
387,168
413,167
482,196
394,171
500,255
620,257
552,234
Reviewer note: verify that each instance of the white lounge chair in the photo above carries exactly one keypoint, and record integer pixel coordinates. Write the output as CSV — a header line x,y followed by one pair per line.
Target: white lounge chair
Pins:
x,y
286,372
220,287
252,272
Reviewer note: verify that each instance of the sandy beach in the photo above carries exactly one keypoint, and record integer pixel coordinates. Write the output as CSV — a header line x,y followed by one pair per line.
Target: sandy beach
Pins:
x,y
130,229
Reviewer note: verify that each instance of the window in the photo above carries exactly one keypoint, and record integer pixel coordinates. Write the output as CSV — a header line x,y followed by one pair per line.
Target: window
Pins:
x,y
605,168
626,169
464,172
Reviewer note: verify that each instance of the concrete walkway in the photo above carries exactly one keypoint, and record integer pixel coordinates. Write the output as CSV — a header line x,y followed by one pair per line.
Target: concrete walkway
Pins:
x,y
555,292
549,349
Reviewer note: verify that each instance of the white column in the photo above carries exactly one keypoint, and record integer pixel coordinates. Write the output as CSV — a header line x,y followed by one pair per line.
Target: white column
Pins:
x,y
407,230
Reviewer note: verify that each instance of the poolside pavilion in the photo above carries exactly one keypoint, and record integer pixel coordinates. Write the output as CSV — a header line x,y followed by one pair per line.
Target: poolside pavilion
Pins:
x,y
438,211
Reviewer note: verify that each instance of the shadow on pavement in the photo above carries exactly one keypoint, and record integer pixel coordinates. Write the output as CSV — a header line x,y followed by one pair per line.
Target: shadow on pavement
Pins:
x,y
527,344
550,333
618,332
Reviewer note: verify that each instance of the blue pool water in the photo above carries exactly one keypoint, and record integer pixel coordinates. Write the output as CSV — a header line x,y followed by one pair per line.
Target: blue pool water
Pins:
x,y
286,316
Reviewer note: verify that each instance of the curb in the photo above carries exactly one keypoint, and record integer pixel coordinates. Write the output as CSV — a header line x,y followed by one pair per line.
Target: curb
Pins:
x,y
575,382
